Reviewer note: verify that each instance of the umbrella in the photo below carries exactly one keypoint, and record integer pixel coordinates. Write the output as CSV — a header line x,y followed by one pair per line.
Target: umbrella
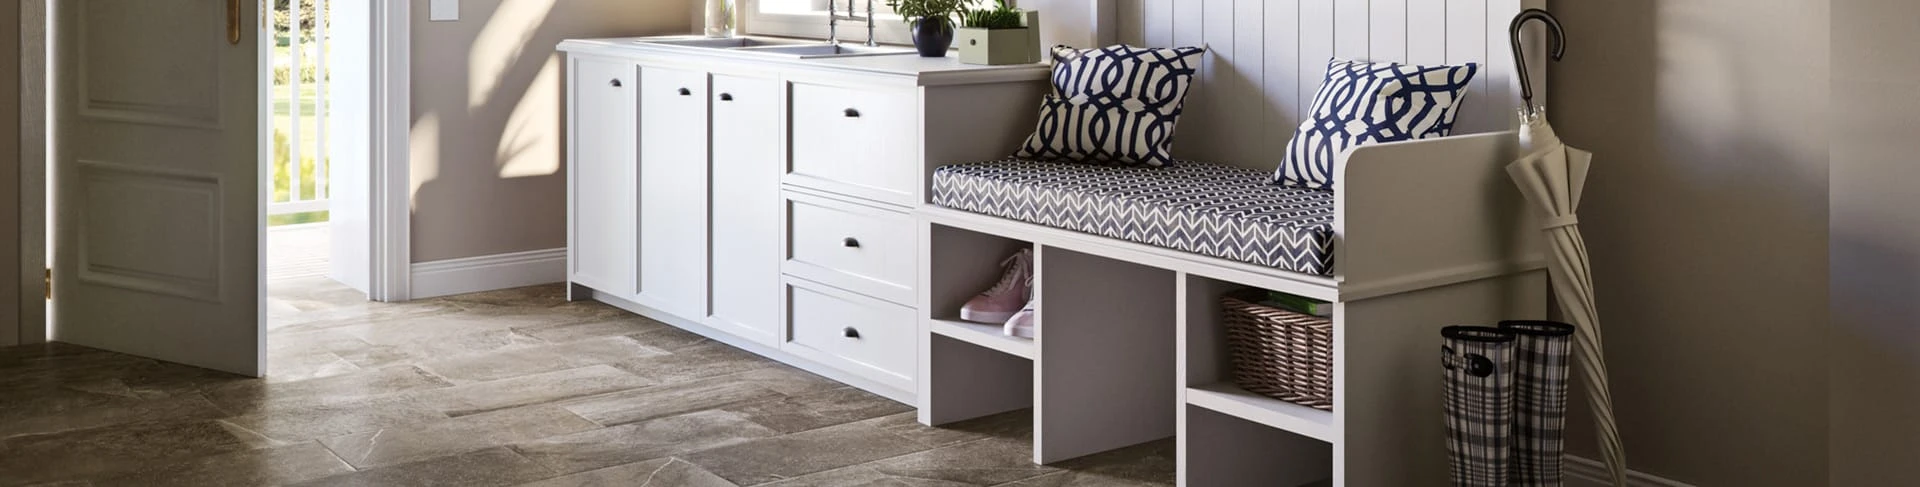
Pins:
x,y
1552,176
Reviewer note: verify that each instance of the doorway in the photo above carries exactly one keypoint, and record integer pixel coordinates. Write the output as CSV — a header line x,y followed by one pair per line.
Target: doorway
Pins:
x,y
152,243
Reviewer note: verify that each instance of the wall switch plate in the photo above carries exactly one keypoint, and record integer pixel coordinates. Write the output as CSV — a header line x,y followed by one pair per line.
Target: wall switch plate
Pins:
x,y
443,10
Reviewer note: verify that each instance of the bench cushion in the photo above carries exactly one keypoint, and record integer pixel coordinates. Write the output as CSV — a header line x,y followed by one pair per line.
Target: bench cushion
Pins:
x,y
1209,209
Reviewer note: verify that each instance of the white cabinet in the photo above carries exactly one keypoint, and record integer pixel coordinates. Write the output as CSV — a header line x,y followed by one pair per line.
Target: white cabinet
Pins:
x,y
673,191
601,173
871,338
767,202
856,141
746,207
860,248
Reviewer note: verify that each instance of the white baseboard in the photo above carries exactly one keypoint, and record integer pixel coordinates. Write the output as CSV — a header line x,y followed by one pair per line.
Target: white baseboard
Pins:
x,y
488,273
1587,472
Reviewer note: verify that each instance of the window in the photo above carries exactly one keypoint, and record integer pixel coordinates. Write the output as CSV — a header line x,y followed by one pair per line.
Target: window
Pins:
x,y
808,18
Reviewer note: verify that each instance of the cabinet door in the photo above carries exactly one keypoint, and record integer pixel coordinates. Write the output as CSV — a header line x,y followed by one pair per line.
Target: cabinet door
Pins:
x,y
673,192
600,206
746,207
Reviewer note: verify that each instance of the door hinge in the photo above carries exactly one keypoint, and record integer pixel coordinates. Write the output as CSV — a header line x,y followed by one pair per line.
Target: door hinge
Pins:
x,y
49,284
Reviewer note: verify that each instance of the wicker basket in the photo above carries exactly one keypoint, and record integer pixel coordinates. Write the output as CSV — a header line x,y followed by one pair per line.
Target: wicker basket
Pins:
x,y
1279,353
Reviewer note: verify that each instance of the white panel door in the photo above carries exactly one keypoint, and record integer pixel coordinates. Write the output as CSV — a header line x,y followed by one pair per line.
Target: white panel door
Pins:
x,y
746,207
350,133
601,172
159,195
673,192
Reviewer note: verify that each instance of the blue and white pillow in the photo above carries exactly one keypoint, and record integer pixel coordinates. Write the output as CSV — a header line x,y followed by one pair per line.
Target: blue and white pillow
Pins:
x,y
1117,105
1369,103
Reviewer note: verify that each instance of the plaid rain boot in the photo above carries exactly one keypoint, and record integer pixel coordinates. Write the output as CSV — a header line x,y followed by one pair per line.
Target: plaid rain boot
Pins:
x,y
1543,351
1479,404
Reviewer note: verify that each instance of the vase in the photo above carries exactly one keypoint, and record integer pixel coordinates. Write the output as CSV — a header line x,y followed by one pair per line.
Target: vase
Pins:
x,y
720,18
932,36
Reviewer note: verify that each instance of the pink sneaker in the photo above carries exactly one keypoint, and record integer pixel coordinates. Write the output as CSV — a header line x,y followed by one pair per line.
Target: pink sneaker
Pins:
x,y
1000,303
1021,325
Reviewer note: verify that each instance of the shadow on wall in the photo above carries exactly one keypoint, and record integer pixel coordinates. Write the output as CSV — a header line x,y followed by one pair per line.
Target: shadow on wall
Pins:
x,y
1705,218
488,106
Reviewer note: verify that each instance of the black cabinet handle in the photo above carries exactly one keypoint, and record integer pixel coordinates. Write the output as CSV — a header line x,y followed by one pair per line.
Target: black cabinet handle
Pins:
x,y
615,83
851,333
686,92
851,242
852,113
726,97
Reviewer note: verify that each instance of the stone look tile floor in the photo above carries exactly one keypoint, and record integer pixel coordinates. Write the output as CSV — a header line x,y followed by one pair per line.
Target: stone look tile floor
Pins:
x,y
505,388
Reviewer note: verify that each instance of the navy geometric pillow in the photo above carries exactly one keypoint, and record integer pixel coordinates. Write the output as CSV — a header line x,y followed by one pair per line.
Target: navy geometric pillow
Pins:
x,y
1117,105
1368,103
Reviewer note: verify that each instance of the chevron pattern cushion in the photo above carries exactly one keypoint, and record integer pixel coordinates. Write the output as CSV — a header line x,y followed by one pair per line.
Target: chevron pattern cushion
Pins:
x,y
1208,209
1116,105
1369,103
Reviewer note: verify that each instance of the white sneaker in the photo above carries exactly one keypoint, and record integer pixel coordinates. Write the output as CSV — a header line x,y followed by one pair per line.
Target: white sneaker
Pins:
x,y
1021,324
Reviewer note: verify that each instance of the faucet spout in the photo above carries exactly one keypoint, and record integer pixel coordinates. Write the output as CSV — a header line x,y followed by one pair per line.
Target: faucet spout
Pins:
x,y
834,17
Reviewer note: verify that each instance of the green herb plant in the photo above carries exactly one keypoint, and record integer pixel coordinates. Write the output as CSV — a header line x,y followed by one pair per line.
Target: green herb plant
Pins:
x,y
927,9
1000,16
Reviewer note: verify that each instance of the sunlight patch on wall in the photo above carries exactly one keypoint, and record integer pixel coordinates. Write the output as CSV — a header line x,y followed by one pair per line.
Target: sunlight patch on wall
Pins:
x,y
530,146
505,38
424,155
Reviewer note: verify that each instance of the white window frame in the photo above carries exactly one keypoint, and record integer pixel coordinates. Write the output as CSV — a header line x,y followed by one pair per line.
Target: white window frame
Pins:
x,y
889,29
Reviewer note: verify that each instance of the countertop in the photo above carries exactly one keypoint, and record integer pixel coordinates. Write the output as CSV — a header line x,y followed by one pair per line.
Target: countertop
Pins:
x,y
925,71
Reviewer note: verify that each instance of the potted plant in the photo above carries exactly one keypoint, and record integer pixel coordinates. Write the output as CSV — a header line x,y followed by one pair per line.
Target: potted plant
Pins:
x,y
932,22
996,35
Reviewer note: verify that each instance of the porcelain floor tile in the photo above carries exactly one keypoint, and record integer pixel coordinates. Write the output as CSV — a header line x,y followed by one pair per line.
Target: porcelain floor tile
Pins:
x,y
408,443
644,440
542,390
664,472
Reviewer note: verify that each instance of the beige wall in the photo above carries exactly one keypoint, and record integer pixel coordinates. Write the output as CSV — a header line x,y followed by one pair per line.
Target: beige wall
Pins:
x,y
1875,391
9,172
487,101
1706,218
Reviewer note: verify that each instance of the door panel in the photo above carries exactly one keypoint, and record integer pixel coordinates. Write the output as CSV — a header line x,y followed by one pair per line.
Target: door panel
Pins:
x,y
746,207
602,173
350,132
158,187
673,191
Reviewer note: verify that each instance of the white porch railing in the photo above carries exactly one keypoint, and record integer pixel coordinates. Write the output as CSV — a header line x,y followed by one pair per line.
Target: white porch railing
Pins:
x,y
298,198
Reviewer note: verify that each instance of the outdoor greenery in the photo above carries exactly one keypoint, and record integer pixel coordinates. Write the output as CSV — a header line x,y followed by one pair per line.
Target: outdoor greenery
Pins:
x,y
303,109
307,18
1000,16
282,190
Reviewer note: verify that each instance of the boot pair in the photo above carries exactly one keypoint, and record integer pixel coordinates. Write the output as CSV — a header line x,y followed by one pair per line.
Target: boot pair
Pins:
x,y
1506,402
1009,302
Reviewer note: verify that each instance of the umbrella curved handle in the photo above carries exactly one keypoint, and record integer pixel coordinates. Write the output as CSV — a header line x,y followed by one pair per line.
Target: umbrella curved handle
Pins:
x,y
1556,45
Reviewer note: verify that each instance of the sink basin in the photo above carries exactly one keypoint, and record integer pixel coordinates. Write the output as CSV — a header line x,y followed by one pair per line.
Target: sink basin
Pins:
x,y
811,51
720,42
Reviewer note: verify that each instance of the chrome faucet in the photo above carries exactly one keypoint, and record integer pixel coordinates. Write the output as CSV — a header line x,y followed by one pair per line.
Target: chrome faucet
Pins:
x,y
834,18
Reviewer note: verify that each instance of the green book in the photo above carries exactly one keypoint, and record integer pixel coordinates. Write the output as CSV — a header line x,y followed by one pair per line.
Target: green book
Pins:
x,y
1298,304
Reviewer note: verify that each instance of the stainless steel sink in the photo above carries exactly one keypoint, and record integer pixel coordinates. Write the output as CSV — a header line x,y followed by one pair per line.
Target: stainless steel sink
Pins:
x,y
721,42
812,51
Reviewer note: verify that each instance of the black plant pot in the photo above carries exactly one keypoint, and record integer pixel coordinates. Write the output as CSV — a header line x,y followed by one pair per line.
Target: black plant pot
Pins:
x,y
932,36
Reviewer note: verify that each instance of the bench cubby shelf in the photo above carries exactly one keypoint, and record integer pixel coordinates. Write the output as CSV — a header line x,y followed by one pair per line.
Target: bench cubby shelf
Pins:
x,y
1131,348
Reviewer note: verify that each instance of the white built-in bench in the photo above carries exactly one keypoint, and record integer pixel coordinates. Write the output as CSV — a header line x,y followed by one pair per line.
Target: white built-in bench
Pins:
x,y
1130,345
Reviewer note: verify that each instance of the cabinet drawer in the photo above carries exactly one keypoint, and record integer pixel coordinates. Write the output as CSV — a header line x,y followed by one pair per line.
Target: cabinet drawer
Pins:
x,y
859,142
861,335
861,248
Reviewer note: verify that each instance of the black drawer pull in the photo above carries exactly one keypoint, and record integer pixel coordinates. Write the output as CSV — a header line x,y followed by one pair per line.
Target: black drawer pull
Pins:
x,y
852,113
851,242
615,83
726,97
686,92
851,333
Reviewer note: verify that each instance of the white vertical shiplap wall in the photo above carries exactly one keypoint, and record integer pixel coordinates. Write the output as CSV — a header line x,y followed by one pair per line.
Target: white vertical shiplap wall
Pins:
x,y
1268,57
